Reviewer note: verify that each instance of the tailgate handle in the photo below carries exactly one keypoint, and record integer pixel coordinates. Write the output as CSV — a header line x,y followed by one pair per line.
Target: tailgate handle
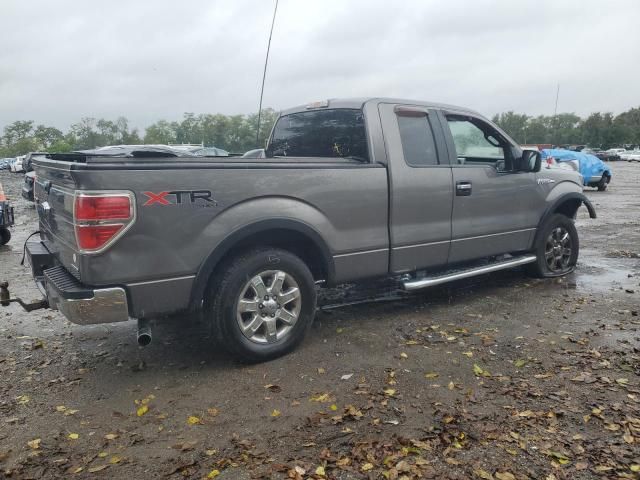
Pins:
x,y
463,189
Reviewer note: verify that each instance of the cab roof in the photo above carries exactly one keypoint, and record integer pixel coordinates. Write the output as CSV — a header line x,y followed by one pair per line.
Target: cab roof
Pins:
x,y
359,103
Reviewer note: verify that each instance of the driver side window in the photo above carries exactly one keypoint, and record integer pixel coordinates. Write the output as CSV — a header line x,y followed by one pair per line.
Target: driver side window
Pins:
x,y
477,143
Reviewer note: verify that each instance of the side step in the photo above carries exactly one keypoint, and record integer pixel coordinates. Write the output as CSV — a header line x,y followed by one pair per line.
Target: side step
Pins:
x,y
424,282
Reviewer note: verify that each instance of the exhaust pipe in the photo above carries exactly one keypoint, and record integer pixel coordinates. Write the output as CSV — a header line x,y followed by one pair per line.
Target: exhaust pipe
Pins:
x,y
144,332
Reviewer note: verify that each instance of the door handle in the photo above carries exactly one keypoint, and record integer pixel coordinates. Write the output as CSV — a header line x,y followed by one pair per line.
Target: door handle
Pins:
x,y
463,189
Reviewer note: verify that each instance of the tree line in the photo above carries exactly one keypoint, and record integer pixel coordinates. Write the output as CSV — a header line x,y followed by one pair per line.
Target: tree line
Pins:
x,y
598,130
234,133
237,133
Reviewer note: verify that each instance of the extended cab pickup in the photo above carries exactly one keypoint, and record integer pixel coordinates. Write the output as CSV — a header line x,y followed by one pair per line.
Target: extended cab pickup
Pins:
x,y
349,189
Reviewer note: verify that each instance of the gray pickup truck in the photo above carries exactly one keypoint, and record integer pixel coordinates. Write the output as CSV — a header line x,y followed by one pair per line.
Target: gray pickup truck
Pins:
x,y
348,190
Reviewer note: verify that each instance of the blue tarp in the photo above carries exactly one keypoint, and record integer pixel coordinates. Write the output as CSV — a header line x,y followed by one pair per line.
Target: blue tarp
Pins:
x,y
590,165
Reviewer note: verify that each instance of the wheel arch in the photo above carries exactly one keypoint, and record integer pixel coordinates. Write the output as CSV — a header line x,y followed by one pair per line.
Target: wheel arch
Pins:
x,y
292,235
568,205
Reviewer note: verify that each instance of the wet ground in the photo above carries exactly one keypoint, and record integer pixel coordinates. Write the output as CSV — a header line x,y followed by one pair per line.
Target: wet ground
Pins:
x,y
499,377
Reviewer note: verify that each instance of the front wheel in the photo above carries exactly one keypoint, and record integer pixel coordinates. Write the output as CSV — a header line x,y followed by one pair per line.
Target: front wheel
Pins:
x,y
556,248
262,304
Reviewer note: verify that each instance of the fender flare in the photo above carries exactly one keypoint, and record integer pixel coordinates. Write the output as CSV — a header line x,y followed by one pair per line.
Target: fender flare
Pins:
x,y
567,197
208,266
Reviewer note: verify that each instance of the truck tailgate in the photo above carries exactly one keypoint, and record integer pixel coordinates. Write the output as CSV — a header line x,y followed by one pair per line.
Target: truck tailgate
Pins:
x,y
54,196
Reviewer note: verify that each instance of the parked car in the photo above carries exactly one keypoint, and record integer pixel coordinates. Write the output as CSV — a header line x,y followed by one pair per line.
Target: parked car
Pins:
x,y
16,166
602,154
595,172
631,156
27,186
5,163
6,218
350,189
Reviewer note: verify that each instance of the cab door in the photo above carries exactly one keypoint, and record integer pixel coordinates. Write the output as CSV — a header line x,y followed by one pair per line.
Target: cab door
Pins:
x,y
420,186
495,204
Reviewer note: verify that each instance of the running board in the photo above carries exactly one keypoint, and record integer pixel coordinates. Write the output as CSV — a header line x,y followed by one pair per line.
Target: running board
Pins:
x,y
418,283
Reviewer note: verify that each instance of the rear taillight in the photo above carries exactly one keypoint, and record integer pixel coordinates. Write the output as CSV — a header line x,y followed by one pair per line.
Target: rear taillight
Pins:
x,y
101,217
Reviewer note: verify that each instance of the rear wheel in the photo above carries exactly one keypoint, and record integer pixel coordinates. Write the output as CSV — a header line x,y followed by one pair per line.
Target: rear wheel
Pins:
x,y
602,184
262,304
5,236
557,247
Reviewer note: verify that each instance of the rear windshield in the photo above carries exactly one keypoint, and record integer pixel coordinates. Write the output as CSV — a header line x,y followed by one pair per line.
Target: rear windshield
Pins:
x,y
321,133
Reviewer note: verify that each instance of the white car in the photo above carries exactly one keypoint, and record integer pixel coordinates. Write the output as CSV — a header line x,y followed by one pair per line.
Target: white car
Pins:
x,y
616,151
16,167
631,156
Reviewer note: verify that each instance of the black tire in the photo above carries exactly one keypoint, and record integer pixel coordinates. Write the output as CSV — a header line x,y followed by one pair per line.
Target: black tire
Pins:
x,y
5,236
602,184
227,290
545,267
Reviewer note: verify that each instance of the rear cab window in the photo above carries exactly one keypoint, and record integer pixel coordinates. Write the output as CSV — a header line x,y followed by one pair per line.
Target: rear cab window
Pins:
x,y
418,144
332,133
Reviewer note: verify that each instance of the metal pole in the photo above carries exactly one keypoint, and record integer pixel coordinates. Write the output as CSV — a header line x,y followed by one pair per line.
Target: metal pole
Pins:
x,y
264,74
555,114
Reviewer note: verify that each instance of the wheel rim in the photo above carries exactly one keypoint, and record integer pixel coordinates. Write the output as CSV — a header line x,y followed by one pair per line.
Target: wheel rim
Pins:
x,y
268,306
558,250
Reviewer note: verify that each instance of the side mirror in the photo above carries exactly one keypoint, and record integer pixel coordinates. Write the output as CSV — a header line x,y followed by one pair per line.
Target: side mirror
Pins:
x,y
531,161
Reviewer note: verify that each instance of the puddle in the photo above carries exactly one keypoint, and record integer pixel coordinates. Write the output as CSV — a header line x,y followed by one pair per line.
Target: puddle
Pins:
x,y
595,273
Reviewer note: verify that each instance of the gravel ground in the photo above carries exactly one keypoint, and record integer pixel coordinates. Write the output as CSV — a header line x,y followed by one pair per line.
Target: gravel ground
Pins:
x,y
499,377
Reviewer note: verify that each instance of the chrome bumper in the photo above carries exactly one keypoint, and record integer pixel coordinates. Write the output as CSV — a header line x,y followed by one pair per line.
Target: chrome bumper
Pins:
x,y
80,303
107,305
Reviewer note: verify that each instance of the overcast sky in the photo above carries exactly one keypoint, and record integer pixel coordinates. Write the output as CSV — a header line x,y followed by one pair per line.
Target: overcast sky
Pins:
x,y
147,60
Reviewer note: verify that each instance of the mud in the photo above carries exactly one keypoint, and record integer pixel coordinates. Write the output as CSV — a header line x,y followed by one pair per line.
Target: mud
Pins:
x,y
500,377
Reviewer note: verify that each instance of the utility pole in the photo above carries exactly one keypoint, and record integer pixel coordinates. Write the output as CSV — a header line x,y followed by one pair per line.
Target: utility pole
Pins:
x,y
264,74
555,114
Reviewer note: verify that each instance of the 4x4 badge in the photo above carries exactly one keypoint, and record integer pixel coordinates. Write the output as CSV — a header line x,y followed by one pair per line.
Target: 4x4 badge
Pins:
x,y
544,181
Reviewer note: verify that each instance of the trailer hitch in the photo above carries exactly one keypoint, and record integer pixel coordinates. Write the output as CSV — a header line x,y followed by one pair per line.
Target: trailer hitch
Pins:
x,y
5,299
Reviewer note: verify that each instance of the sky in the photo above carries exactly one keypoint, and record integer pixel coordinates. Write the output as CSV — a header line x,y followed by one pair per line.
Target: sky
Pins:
x,y
156,59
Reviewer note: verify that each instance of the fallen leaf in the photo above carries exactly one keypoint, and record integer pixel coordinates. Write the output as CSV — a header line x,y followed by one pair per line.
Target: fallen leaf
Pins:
x,y
193,420
468,354
622,381
404,355
276,413
115,459
273,388
325,397
505,476
431,375
213,473
483,474
97,469
142,410
389,392
320,471
451,386
347,376
60,408
73,436
35,444
23,399
213,411
366,467
519,364
111,436
333,407
479,371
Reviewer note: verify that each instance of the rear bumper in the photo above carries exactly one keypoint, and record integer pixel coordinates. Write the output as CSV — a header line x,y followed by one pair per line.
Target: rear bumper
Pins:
x,y
79,303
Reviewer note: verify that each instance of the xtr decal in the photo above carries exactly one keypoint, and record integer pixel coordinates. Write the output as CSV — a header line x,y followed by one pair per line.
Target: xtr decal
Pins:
x,y
177,197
